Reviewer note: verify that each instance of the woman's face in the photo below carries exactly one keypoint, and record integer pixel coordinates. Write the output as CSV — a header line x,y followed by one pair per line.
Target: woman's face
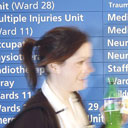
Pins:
x,y
75,70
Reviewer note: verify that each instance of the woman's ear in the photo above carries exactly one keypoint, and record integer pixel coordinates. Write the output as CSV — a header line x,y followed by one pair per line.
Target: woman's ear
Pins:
x,y
54,68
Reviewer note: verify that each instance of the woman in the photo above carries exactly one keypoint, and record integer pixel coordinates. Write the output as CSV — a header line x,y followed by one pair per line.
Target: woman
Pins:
x,y
64,53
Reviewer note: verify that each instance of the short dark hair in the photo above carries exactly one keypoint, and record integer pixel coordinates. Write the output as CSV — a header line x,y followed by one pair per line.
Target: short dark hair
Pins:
x,y
56,45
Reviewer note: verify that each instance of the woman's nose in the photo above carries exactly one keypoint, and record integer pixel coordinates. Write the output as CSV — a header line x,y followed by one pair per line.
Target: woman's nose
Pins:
x,y
88,68
91,68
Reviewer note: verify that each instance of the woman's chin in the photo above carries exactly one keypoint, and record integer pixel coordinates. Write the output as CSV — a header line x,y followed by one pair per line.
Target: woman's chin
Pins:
x,y
83,85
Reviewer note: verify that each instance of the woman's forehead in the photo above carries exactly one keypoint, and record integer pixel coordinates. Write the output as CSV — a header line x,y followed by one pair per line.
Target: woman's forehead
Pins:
x,y
84,52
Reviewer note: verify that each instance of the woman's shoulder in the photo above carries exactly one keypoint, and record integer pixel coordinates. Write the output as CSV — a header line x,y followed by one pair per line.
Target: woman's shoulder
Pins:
x,y
28,118
36,100
33,112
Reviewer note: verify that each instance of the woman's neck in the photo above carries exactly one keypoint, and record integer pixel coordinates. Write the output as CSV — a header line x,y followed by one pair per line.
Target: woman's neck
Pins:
x,y
62,94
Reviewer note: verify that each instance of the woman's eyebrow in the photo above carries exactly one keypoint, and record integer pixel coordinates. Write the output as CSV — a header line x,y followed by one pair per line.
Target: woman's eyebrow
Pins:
x,y
85,58
81,57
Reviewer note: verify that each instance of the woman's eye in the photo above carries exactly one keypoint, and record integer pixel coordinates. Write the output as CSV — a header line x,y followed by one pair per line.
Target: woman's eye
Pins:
x,y
80,62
